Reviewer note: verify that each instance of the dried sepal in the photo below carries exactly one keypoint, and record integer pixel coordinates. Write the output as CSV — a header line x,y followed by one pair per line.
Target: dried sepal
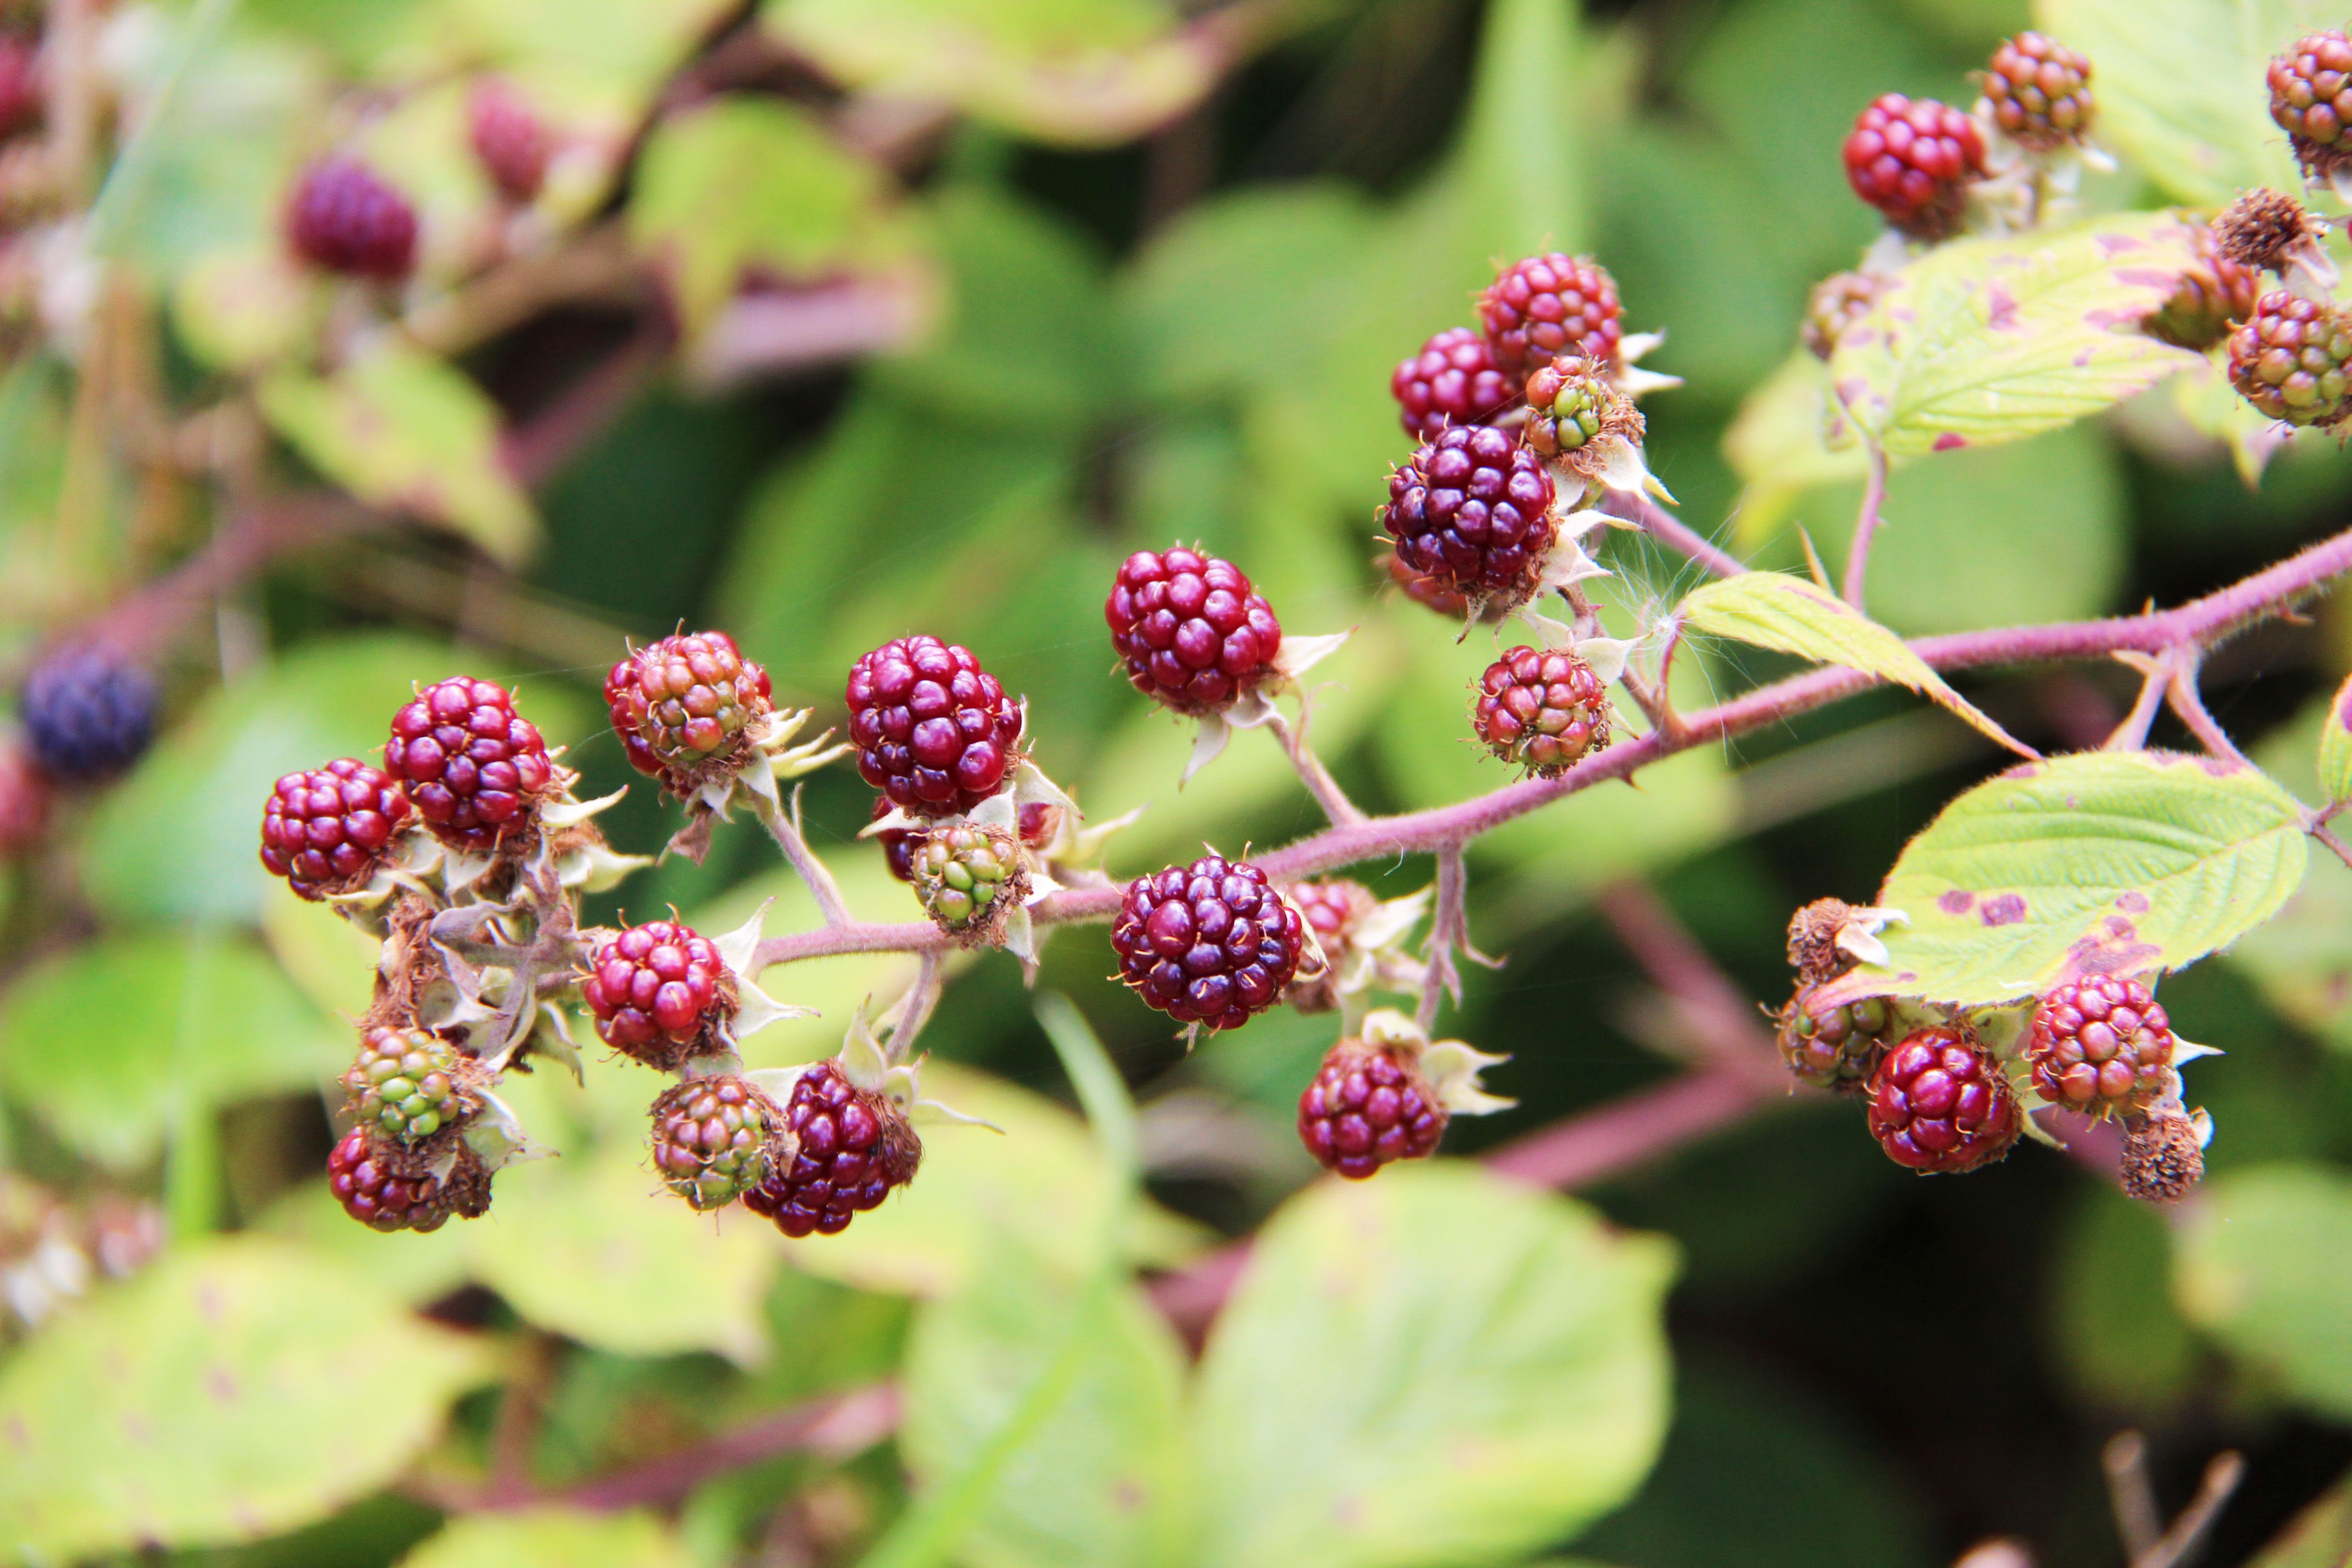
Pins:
x,y
1451,1066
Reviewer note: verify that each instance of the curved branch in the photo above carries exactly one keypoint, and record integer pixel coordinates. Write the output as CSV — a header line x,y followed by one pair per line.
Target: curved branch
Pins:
x,y
2200,623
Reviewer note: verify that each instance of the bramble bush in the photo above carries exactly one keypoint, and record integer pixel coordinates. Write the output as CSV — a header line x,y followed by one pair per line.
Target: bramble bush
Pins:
x,y
387,391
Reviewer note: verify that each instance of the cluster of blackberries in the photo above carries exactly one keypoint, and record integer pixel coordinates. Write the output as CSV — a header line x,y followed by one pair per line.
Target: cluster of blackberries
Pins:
x,y
344,217
1914,159
1940,1099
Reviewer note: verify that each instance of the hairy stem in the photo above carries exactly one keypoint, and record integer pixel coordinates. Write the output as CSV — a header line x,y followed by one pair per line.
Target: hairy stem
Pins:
x,y
1873,496
1672,531
2188,704
784,826
1312,773
1714,1009
914,1009
1442,978
2156,678
2201,622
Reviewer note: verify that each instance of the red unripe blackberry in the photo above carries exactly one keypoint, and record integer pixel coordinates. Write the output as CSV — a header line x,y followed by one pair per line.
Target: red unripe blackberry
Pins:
x,y
408,1084
1333,909
1541,710
2099,1045
898,844
387,1187
1453,379
1191,631
25,793
851,1147
2288,360
326,831
344,218
658,990
1550,305
1208,943
714,1139
934,731
1913,159
2040,91
510,140
1939,1103
474,768
21,99
2311,99
681,705
1473,511
1837,303
1039,821
1835,1048
2213,293
1370,1105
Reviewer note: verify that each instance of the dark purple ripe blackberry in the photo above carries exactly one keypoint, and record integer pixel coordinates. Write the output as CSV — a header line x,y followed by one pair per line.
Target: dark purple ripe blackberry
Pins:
x,y
853,1147
1550,305
87,713
474,767
344,218
1471,509
1191,631
934,731
1209,943
1453,379
1369,1105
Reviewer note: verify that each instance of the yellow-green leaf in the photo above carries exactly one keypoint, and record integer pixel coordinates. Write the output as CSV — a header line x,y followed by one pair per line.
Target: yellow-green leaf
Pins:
x,y
748,182
2180,85
1993,339
238,1389
1769,609
2336,746
404,430
1780,444
553,1538
1091,72
2101,862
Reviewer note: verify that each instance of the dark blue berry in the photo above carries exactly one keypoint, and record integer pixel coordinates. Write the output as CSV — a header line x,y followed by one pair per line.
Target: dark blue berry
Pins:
x,y
87,713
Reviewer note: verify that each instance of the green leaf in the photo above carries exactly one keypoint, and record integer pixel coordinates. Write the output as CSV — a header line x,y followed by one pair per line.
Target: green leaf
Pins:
x,y
2122,862
1043,1180
245,310
600,66
402,430
1778,444
1088,72
1993,536
1991,339
755,181
2318,1537
2181,86
2336,746
1437,1367
111,1042
236,1390
179,840
2112,1262
1767,609
2263,1263
2302,958
590,1245
1100,1473
553,1538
